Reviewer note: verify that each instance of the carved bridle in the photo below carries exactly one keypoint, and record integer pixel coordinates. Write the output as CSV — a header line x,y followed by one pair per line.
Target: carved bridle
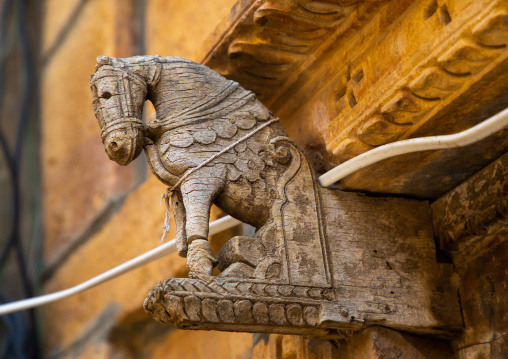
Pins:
x,y
122,121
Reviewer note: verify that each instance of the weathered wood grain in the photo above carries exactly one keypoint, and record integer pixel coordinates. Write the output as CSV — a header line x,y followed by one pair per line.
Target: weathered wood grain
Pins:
x,y
384,263
472,217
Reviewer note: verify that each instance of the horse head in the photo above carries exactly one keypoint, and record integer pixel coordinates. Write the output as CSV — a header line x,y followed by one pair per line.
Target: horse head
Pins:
x,y
118,98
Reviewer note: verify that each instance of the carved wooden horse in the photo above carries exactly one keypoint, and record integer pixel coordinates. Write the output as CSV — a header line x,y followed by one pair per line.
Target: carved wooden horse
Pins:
x,y
199,113
212,141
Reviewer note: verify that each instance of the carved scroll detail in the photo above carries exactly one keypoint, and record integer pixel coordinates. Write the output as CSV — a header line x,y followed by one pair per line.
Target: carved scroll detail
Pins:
x,y
430,86
276,38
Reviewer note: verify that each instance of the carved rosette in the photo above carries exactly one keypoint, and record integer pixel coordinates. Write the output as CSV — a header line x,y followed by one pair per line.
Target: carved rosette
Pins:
x,y
238,306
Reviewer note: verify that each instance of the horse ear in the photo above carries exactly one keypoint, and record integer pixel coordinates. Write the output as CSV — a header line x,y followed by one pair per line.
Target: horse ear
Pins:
x,y
154,73
103,60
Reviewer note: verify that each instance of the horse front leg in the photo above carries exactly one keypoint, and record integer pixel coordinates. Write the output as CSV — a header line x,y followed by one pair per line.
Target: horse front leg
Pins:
x,y
198,193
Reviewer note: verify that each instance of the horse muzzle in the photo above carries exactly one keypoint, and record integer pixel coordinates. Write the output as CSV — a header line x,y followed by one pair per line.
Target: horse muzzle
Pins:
x,y
123,145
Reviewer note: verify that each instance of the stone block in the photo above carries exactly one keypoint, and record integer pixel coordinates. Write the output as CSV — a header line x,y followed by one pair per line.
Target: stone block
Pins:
x,y
472,217
203,345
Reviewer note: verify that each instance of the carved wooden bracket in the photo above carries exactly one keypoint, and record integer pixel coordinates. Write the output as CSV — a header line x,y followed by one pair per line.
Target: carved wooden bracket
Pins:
x,y
321,263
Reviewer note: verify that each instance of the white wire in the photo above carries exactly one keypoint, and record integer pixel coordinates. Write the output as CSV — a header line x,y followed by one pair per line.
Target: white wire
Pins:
x,y
474,134
150,256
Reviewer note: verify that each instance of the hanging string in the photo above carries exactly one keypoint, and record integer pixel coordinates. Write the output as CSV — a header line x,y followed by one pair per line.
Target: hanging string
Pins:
x,y
169,192
165,197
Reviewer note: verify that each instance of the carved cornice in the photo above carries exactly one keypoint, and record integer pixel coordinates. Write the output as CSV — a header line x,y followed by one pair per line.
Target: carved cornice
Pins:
x,y
271,42
452,62
274,42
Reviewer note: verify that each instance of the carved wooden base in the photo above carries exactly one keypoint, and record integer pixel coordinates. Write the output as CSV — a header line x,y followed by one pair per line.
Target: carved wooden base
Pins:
x,y
381,271
239,306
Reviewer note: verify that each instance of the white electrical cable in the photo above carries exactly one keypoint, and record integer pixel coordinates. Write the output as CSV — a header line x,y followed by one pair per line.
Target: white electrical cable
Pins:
x,y
464,138
150,256
476,133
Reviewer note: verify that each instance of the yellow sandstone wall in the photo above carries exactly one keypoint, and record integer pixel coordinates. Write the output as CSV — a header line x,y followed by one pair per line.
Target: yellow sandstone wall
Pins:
x,y
96,213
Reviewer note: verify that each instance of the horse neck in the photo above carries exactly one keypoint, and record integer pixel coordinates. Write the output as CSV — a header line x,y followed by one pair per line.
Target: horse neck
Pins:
x,y
180,86
164,96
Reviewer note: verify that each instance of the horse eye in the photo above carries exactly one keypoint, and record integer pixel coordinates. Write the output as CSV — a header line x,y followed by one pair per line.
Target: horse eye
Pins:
x,y
106,95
